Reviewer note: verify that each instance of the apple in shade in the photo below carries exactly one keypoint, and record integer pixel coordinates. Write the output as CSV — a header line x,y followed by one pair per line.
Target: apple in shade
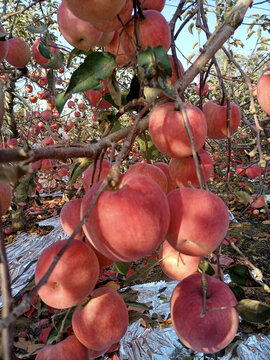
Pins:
x,y
101,322
70,219
165,168
115,47
114,23
263,90
19,53
78,33
153,30
199,221
205,89
240,170
153,4
153,172
92,10
3,45
130,222
99,174
106,38
168,132
213,331
174,72
40,59
5,197
2,106
70,348
81,265
253,171
46,115
216,117
184,173
176,265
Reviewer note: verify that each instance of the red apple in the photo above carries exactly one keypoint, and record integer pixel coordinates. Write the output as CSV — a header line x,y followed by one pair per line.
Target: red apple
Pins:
x,y
12,143
33,99
153,4
165,168
28,88
199,221
256,201
71,104
106,38
253,171
174,72
73,278
116,48
19,53
153,30
102,321
92,10
46,115
81,105
216,117
184,173
3,45
128,223
114,24
47,141
99,174
240,170
5,197
70,348
263,90
168,132
70,217
95,97
205,89
153,172
175,265
213,331
40,59
81,34
2,105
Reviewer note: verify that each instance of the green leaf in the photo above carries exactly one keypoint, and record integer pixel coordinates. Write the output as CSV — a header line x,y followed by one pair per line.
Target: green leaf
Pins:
x,y
155,63
240,275
253,311
122,267
37,30
114,89
143,271
80,166
51,80
238,292
44,50
60,101
76,52
56,60
2,36
208,268
96,67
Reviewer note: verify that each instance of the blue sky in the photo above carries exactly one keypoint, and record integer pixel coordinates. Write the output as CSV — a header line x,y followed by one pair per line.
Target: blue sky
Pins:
x,y
186,40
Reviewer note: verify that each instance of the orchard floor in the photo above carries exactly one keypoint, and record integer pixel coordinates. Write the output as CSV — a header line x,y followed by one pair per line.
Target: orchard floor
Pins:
x,y
250,234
